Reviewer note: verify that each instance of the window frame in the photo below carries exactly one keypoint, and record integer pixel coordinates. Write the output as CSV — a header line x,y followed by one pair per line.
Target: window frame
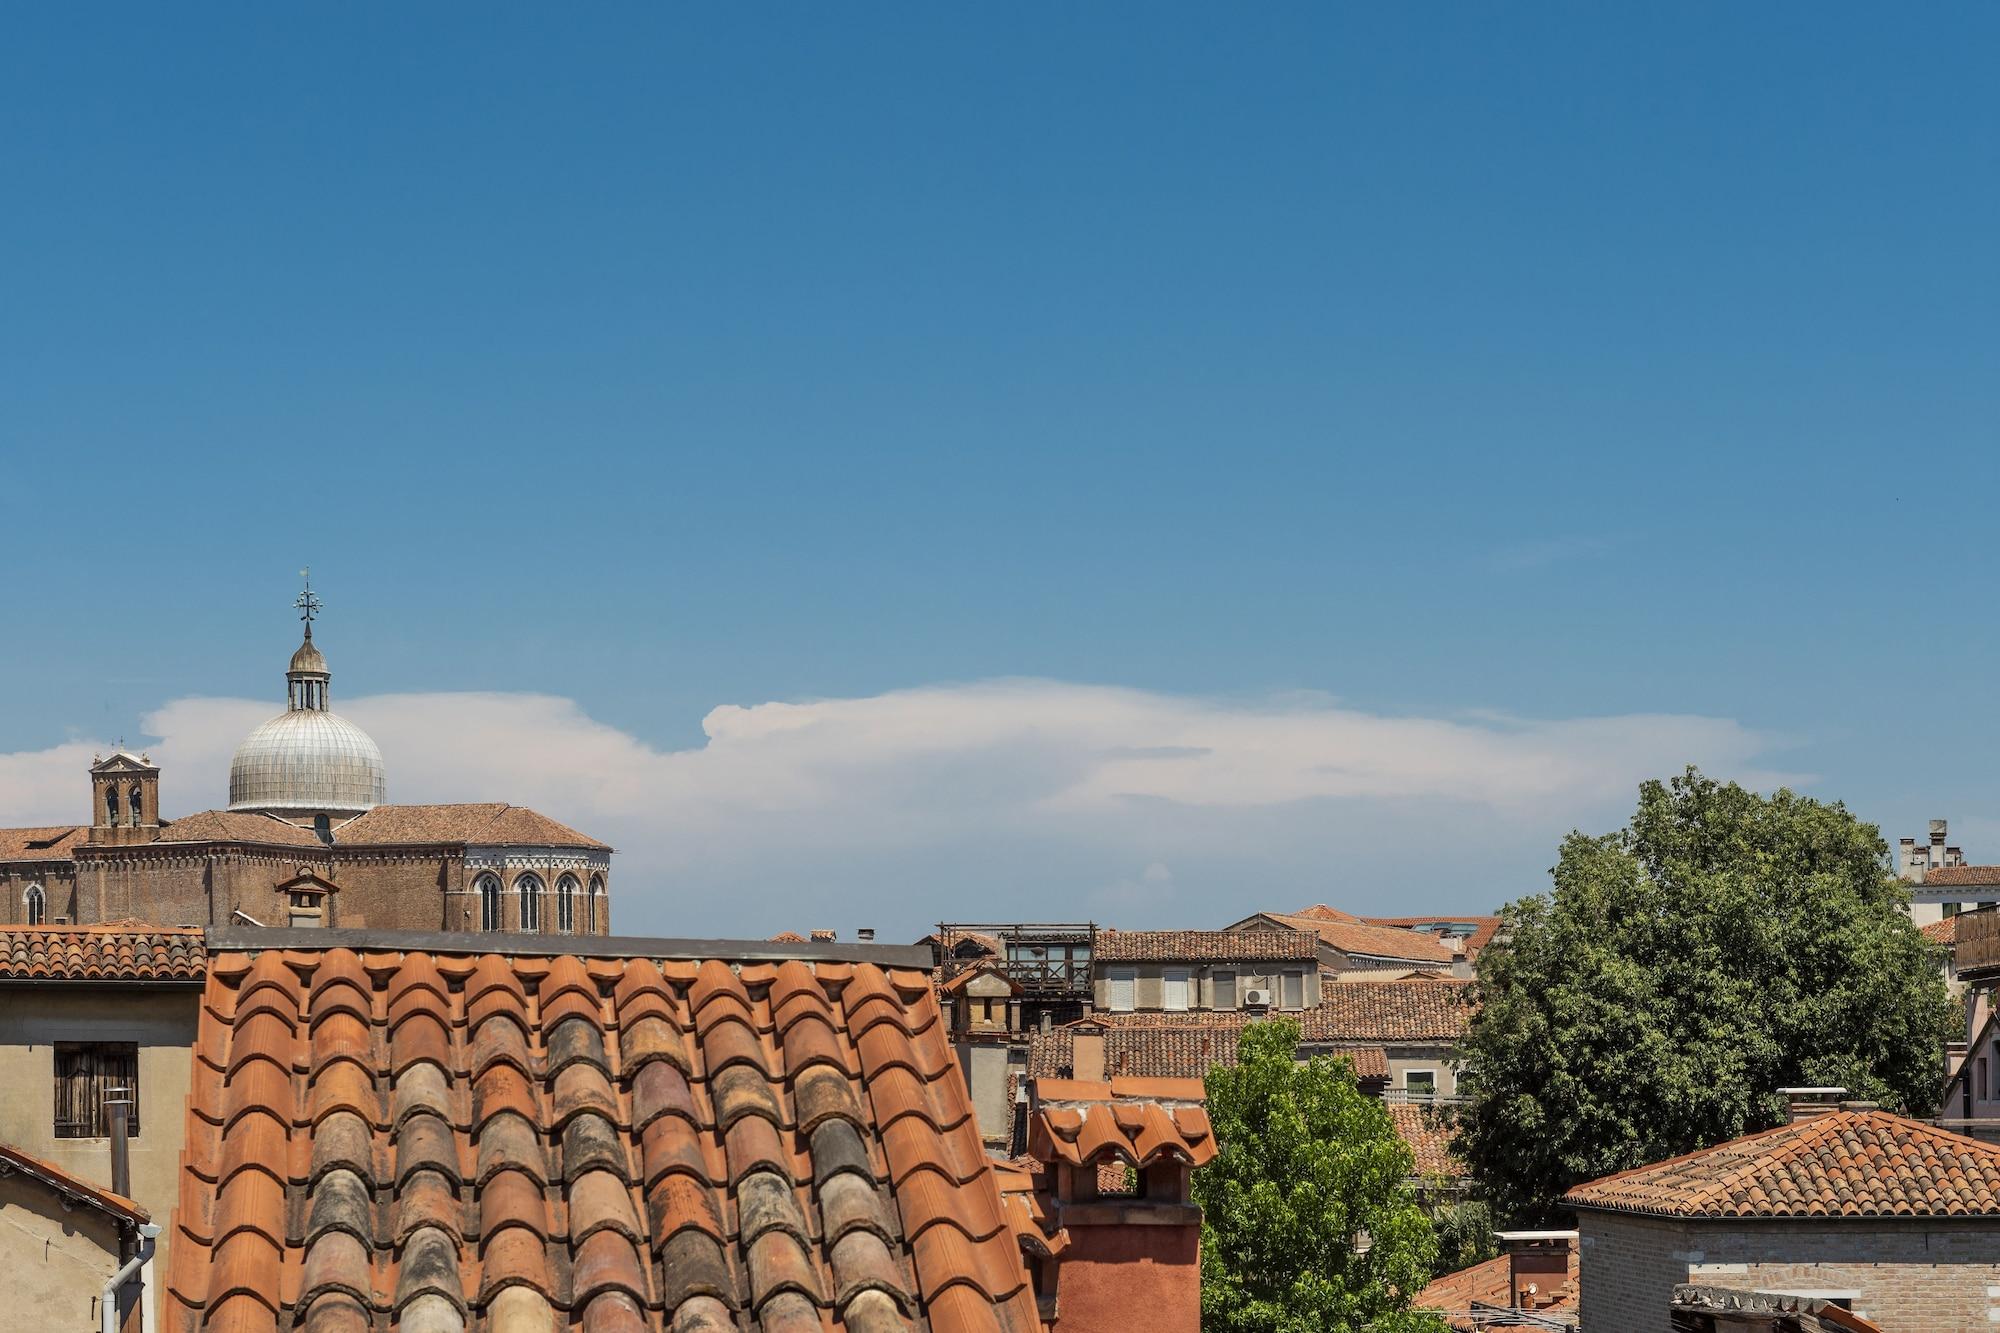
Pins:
x,y
1171,977
1114,977
492,901
567,889
35,905
1288,982
95,1083
528,887
1431,1075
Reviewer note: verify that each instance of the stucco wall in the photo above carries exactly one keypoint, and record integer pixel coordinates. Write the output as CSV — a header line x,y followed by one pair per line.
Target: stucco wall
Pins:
x,y
1402,1059
162,1022
1149,988
1906,1275
55,1260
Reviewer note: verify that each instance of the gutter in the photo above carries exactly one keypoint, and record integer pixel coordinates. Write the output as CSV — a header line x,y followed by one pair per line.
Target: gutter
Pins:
x,y
107,1302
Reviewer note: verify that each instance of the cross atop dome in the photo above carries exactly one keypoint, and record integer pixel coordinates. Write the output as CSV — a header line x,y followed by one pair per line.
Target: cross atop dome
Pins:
x,y
308,601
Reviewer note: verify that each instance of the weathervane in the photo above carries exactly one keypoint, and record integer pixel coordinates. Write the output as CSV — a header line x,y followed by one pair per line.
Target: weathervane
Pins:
x,y
308,602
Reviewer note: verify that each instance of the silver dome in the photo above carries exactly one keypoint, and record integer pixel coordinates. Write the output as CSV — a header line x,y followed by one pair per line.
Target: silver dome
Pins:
x,y
306,761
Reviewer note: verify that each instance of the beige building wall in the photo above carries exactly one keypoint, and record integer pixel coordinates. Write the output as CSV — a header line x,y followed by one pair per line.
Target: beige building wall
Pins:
x,y
1436,1059
1150,987
54,1261
161,1020
1940,1275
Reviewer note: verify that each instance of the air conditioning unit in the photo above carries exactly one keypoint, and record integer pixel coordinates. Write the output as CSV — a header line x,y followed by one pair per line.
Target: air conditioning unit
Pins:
x,y
1256,999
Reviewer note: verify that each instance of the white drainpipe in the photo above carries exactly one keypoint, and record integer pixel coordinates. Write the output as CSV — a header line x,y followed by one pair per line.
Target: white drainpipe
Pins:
x,y
107,1305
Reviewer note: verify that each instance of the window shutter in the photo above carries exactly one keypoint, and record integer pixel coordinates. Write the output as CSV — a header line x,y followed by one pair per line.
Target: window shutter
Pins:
x,y
1295,990
1225,990
1176,990
1123,982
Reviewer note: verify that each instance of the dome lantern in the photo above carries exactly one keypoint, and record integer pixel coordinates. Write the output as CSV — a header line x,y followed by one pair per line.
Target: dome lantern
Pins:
x,y
308,760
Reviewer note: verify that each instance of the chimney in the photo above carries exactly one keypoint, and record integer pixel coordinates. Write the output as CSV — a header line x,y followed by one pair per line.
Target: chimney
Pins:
x,y
866,934
1132,1258
1538,1266
825,936
1910,869
115,1108
1954,856
1937,844
1086,1061
1805,1103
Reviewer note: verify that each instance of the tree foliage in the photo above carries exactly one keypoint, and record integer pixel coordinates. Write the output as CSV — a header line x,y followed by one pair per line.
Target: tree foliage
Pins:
x,y
1720,947
1307,1165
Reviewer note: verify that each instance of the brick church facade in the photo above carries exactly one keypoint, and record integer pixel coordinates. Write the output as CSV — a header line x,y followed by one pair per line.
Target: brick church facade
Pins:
x,y
306,841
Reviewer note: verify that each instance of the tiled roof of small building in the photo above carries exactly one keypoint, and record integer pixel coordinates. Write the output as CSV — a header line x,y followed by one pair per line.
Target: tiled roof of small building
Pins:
x,y
1977,876
1838,1164
1199,946
1490,1284
1414,1010
71,1186
50,843
447,1141
102,953
1942,932
1354,937
236,826
1135,1120
1169,1049
1421,1126
489,824
1484,927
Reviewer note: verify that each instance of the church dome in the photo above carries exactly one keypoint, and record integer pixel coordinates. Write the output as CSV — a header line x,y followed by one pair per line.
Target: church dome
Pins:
x,y
306,761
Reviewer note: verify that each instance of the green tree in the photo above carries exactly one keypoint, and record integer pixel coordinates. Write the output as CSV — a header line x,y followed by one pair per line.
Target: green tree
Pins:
x,y
1720,947
1308,1166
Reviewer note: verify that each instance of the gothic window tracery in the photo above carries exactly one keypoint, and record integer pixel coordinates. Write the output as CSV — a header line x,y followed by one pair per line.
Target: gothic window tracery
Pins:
x,y
529,886
489,902
566,891
37,904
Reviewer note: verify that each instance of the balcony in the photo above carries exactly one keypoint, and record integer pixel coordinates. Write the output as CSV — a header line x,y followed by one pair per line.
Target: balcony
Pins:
x,y
1977,953
1048,960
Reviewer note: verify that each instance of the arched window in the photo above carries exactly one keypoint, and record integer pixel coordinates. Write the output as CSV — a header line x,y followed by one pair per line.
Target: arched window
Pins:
x,y
597,917
111,806
37,904
566,888
530,889
134,806
489,902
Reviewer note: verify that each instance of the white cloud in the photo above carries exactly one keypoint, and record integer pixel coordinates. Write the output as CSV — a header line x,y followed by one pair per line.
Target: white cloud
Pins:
x,y
999,799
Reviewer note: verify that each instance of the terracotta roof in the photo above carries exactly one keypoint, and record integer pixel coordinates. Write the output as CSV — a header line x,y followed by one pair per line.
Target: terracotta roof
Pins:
x,y
1837,1164
70,1186
1373,941
439,1138
1489,1284
52,843
236,826
102,953
1135,1120
1422,1010
1484,927
787,937
489,824
1321,912
1168,1049
1942,932
1978,876
1198,946
1429,1138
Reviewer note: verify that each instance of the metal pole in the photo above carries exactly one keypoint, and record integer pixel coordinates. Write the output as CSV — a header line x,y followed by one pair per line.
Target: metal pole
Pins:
x,y
116,1107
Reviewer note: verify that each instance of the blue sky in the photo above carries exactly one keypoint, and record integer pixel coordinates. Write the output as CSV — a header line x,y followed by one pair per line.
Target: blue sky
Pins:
x,y
1564,363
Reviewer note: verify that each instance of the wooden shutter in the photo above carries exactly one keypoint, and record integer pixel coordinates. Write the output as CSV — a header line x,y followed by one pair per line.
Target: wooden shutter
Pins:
x,y
85,1072
1122,985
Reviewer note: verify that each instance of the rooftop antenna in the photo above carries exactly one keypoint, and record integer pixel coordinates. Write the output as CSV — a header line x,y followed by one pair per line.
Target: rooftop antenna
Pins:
x,y
308,601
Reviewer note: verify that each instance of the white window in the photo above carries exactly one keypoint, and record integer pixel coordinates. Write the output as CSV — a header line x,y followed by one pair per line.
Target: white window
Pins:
x,y
1120,983
1420,1082
1295,991
1225,990
1174,991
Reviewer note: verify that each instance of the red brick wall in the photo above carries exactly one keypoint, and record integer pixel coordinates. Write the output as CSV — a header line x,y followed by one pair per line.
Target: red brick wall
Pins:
x,y
1123,1276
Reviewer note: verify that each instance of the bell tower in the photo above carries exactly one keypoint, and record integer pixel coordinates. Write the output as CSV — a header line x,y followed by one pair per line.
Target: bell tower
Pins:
x,y
124,799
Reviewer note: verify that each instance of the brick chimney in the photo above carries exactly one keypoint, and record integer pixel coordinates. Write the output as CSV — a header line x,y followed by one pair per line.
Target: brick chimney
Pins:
x,y
1541,1267
1126,1259
1805,1103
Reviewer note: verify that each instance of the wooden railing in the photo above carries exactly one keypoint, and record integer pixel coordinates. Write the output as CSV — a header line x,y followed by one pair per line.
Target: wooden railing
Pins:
x,y
1977,953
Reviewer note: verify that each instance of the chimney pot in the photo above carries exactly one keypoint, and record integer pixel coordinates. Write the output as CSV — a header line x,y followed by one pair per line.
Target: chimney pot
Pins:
x,y
824,936
866,934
